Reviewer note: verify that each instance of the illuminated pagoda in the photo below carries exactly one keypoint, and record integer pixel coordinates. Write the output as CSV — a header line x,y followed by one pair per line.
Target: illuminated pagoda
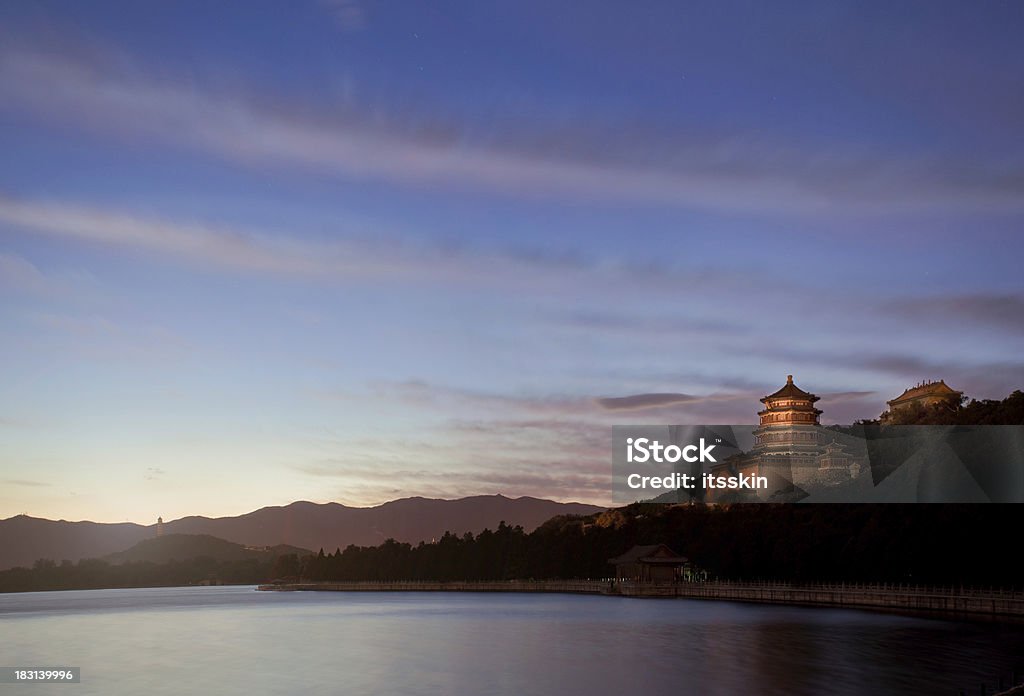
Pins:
x,y
789,426
792,450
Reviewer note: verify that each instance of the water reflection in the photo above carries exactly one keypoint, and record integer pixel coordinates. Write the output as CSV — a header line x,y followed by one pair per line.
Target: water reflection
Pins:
x,y
238,641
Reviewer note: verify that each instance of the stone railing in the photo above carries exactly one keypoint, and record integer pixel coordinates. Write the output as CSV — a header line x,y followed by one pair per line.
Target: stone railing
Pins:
x,y
906,598
947,600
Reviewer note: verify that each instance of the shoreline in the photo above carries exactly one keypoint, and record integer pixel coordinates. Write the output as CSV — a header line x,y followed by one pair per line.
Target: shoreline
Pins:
x,y
939,602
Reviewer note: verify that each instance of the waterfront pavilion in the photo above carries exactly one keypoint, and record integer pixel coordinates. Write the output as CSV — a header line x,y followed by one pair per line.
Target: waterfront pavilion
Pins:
x,y
651,563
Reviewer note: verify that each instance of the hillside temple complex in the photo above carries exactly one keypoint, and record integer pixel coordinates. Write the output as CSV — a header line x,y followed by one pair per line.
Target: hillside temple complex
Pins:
x,y
923,395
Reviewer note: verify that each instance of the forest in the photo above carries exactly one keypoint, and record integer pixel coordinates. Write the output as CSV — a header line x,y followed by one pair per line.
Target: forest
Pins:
x,y
96,573
920,544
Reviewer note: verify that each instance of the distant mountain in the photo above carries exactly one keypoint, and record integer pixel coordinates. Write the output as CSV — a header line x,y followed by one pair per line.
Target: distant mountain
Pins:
x,y
331,525
307,525
24,539
182,547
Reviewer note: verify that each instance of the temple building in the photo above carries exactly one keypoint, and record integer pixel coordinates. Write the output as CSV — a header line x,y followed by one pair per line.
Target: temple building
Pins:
x,y
923,395
792,449
836,465
652,563
789,425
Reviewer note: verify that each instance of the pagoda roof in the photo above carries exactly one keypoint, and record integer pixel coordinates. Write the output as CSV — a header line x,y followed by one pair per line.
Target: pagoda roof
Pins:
x,y
790,390
939,388
650,553
808,408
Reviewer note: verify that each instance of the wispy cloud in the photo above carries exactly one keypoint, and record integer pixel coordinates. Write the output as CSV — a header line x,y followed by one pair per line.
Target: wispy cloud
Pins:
x,y
977,377
455,400
119,97
1004,311
196,243
545,458
551,446
659,326
26,483
639,402
19,275
101,338
349,14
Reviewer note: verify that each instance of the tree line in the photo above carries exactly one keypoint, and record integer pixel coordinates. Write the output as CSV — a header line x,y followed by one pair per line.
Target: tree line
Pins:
x,y
919,544
95,573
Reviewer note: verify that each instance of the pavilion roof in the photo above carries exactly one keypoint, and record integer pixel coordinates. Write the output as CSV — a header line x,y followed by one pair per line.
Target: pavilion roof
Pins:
x,y
939,388
792,391
650,553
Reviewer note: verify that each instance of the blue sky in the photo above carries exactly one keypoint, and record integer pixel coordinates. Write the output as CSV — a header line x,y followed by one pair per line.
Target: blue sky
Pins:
x,y
354,251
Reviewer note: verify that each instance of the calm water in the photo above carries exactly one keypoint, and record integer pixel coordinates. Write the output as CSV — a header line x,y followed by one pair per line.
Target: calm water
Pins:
x,y
234,640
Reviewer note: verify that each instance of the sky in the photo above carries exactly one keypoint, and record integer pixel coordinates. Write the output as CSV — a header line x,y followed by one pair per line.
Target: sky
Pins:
x,y
353,251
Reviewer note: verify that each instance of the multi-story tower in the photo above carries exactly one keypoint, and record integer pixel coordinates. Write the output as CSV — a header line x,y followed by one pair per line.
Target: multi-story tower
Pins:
x,y
789,428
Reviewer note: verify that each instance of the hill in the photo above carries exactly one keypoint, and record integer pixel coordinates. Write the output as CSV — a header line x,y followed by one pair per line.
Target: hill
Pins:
x,y
183,547
25,539
331,525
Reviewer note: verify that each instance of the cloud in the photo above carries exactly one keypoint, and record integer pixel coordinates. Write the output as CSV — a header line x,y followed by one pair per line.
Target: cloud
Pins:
x,y
18,274
190,241
982,380
196,243
659,326
848,396
423,394
117,96
995,310
639,402
349,14
25,482
220,247
602,410
560,475
484,458
81,327
850,406
485,443
979,378
101,338
551,446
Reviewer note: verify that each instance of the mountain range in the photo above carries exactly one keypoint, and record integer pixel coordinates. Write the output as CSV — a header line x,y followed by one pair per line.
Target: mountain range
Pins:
x,y
182,547
24,539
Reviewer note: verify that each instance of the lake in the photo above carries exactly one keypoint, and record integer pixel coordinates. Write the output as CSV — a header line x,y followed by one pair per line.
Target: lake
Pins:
x,y
235,640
